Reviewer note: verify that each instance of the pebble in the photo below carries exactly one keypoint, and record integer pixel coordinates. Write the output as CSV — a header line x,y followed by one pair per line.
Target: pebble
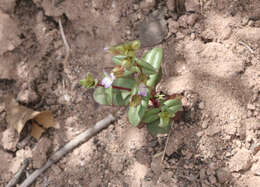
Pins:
x,y
251,106
173,26
146,4
223,175
226,33
201,105
212,179
193,36
10,139
202,173
152,31
171,5
192,5
244,21
241,160
28,96
204,124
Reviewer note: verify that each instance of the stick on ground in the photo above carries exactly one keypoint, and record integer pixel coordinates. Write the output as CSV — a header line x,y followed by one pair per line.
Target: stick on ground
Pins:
x,y
65,42
83,137
18,175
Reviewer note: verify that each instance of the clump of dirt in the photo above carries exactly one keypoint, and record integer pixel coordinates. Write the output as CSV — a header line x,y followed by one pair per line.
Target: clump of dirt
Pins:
x,y
211,57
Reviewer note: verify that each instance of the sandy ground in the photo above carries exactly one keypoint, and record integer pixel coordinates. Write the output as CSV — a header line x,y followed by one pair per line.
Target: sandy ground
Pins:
x,y
211,56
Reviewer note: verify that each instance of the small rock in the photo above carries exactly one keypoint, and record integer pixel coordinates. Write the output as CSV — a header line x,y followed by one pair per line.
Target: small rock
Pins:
x,y
213,130
204,124
9,32
251,124
28,96
183,21
201,105
200,133
179,36
135,6
192,5
193,36
210,171
241,160
152,31
117,164
173,26
39,152
171,5
231,128
251,23
156,164
146,4
142,157
202,173
251,106
5,160
244,21
7,5
223,175
226,33
256,168
212,179
191,19
10,139
175,141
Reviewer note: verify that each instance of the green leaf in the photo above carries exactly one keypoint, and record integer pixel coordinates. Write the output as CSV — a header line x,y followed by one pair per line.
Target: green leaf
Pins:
x,y
165,116
109,94
135,114
148,68
154,58
124,82
100,96
151,115
175,109
89,81
118,60
155,129
172,102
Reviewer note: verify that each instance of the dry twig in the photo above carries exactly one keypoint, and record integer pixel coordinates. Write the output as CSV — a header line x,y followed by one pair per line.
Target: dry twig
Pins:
x,y
18,175
245,45
65,43
83,137
166,144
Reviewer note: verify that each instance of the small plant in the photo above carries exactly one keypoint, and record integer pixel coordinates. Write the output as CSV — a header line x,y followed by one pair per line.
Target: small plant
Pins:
x,y
132,82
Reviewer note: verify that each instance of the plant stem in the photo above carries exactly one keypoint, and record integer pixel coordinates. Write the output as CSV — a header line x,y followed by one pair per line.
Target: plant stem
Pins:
x,y
118,87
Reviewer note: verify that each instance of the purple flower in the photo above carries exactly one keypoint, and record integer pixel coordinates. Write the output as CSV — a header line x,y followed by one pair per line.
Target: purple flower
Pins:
x,y
142,90
108,79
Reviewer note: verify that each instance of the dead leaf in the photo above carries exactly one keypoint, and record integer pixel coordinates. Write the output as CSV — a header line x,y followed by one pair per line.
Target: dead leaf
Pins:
x,y
18,116
46,119
36,131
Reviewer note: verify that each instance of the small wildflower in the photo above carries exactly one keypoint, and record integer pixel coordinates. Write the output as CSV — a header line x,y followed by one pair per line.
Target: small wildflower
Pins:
x,y
142,90
108,79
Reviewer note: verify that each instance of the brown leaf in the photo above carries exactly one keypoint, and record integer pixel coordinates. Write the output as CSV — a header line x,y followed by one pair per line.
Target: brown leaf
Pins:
x,y
18,116
46,119
36,131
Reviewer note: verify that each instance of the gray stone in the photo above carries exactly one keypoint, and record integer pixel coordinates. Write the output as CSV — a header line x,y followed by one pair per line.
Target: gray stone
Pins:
x,y
152,31
241,161
192,5
223,175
